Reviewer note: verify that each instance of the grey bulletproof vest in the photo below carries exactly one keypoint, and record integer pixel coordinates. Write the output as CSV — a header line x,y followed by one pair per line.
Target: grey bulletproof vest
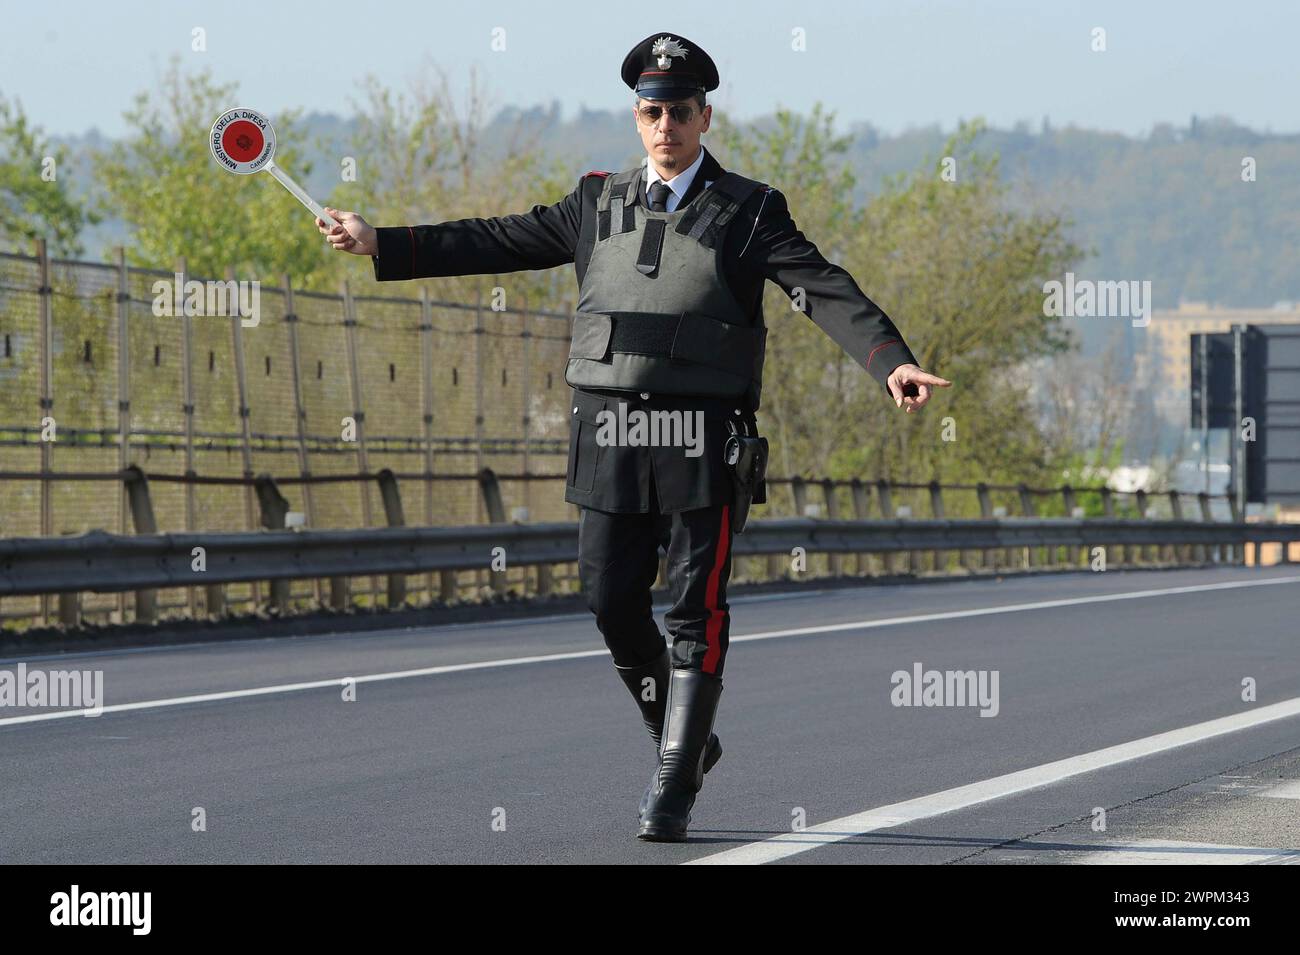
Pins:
x,y
654,310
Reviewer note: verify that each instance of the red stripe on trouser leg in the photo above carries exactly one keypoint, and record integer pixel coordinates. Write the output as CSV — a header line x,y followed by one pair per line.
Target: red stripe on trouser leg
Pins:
x,y
713,628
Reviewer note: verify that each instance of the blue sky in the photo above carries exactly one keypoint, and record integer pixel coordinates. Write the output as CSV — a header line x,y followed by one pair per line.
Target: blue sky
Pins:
x,y
77,65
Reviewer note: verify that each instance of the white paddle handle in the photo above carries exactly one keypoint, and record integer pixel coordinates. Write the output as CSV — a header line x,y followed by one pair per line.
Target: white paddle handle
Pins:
x,y
298,193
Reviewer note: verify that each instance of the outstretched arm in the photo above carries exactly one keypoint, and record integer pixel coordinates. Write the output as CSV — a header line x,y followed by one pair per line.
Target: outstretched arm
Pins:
x,y
833,300
542,238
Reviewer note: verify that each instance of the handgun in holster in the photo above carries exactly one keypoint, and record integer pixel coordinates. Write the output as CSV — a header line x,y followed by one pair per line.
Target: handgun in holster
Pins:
x,y
746,456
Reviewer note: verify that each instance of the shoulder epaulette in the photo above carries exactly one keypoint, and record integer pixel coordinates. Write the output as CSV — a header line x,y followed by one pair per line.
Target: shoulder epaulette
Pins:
x,y
596,172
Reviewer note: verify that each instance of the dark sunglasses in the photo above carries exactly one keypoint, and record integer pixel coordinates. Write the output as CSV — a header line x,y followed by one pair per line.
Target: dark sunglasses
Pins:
x,y
681,114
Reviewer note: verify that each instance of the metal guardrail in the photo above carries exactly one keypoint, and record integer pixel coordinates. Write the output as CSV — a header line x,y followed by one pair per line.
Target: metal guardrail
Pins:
x,y
106,563
99,562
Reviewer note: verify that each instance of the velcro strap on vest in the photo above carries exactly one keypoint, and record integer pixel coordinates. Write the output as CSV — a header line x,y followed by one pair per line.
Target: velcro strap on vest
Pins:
x,y
716,207
616,187
613,217
644,333
687,337
652,242
616,195
704,205
704,220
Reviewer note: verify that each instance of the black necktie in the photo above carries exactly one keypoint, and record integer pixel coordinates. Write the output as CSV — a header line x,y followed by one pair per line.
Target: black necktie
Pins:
x,y
659,197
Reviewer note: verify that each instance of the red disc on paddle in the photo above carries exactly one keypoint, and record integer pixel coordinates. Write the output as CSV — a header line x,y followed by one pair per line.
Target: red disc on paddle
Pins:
x,y
242,141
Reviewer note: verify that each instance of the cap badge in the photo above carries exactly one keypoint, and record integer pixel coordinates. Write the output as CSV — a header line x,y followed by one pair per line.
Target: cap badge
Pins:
x,y
665,48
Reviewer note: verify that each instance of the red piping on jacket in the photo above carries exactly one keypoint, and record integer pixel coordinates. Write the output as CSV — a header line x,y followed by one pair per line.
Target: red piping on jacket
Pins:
x,y
880,346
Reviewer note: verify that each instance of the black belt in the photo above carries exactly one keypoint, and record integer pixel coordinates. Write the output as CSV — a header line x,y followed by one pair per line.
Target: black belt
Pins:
x,y
723,407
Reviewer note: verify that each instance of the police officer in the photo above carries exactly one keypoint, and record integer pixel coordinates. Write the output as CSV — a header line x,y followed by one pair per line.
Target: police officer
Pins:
x,y
671,258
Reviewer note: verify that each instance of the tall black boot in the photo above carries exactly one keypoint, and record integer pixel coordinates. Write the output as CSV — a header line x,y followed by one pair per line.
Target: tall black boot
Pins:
x,y
691,706
652,711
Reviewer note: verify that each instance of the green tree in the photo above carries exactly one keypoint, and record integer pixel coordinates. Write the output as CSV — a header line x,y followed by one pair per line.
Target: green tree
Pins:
x,y
961,274
421,159
34,198
163,181
35,202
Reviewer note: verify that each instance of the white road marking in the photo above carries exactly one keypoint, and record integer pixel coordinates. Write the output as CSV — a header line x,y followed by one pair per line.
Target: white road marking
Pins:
x,y
1173,852
501,623
1017,608
602,652
297,687
999,787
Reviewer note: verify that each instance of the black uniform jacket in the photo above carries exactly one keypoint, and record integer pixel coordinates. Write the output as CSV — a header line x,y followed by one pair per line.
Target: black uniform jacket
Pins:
x,y
617,478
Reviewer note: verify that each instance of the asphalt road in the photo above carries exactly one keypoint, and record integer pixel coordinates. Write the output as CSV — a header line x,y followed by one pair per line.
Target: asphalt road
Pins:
x,y
515,741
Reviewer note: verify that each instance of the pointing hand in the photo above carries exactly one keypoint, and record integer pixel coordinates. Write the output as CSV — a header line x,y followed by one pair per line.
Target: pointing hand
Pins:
x,y
910,386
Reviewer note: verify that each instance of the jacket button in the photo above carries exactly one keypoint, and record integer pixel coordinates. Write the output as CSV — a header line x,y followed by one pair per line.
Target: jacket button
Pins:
x,y
737,411
645,396
575,409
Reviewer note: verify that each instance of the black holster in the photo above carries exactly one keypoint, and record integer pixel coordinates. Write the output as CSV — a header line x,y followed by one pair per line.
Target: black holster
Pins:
x,y
746,456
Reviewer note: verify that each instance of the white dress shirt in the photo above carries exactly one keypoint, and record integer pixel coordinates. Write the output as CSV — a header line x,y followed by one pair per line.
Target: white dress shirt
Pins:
x,y
678,184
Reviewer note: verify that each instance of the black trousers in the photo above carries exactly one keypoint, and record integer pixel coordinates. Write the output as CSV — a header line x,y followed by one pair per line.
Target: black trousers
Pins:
x,y
618,556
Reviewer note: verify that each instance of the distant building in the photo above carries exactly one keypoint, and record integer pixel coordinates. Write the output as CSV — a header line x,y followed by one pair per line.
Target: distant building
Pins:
x,y
1162,350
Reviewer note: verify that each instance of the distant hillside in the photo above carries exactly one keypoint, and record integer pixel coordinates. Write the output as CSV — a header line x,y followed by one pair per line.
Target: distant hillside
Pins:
x,y
1170,207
